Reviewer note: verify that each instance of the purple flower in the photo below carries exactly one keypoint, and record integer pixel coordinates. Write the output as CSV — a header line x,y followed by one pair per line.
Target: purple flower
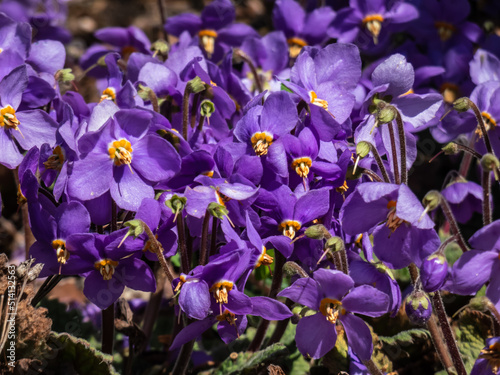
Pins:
x,y
465,198
122,157
333,295
487,363
480,265
109,268
404,237
27,128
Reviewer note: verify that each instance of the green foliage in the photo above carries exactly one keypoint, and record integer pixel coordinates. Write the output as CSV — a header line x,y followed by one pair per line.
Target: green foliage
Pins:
x,y
406,337
337,359
71,355
471,330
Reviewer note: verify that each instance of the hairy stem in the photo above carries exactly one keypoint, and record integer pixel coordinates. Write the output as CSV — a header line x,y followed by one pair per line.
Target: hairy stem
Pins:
x,y
182,363
108,329
451,343
372,367
397,178
250,63
453,224
380,163
213,239
204,239
480,121
486,183
402,144
181,239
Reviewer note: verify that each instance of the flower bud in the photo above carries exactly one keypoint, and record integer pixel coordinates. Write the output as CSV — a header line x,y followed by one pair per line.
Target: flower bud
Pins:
x,y
176,203
136,228
195,85
334,244
363,149
450,149
433,272
490,163
317,232
161,47
418,307
432,200
386,114
64,75
207,107
461,104
217,210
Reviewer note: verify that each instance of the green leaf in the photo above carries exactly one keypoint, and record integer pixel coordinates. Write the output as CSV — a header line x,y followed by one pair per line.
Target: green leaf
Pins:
x,y
471,330
76,356
406,337
284,88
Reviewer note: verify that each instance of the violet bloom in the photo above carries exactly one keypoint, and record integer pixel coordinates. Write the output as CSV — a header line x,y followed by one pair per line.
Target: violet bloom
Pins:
x,y
15,44
122,157
480,265
404,236
27,128
288,212
301,29
334,296
215,28
109,268
325,79
487,362
367,20
465,198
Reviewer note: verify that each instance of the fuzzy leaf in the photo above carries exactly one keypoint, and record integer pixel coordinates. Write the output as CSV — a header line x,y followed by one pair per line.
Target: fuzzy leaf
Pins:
x,y
405,337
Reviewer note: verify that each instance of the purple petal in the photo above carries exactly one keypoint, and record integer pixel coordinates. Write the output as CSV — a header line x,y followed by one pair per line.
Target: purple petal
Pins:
x,y
366,300
304,291
312,205
37,128
194,299
100,292
72,218
239,303
128,189
334,284
395,71
315,336
12,87
472,270
269,308
191,332
358,335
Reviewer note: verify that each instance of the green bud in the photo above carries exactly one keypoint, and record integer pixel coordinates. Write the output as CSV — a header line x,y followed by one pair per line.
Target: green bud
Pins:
x,y
135,228
335,244
144,92
362,149
450,149
176,203
160,46
317,232
196,85
64,75
207,107
386,114
432,200
217,210
461,104
490,163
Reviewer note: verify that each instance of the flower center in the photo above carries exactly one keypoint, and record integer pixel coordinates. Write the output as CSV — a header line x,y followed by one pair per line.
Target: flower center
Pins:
x,y
56,160
8,118
492,355
261,142
450,92
330,308
264,258
313,98
373,23
108,94
302,165
62,254
342,189
445,30
393,222
227,316
295,45
182,281
207,40
289,228
489,123
121,152
106,267
220,291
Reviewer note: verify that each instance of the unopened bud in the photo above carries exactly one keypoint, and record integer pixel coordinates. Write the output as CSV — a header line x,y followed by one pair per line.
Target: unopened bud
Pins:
x,y
160,46
176,203
386,114
418,307
450,149
207,107
335,244
317,232
432,200
461,104
64,75
135,229
217,210
433,272
363,149
490,163
195,85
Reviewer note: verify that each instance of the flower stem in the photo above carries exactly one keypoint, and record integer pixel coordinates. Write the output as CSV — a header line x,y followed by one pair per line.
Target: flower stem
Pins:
x,y
279,261
437,338
468,150
371,174
163,18
204,238
242,55
397,178
372,367
480,122
465,164
437,303
402,144
380,163
108,329
181,239
182,363
453,224
185,112
213,239
158,250
29,238
49,284
486,182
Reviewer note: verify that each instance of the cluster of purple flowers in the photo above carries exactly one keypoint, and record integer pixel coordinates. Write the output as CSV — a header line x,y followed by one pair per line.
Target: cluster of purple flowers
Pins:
x,y
226,144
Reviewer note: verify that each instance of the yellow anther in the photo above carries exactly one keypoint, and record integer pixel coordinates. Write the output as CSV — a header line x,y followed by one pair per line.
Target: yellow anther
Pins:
x,y
220,291
207,40
8,118
121,152
289,228
330,308
56,160
302,165
62,254
264,258
106,267
313,99
445,30
373,23
261,142
295,45
108,94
